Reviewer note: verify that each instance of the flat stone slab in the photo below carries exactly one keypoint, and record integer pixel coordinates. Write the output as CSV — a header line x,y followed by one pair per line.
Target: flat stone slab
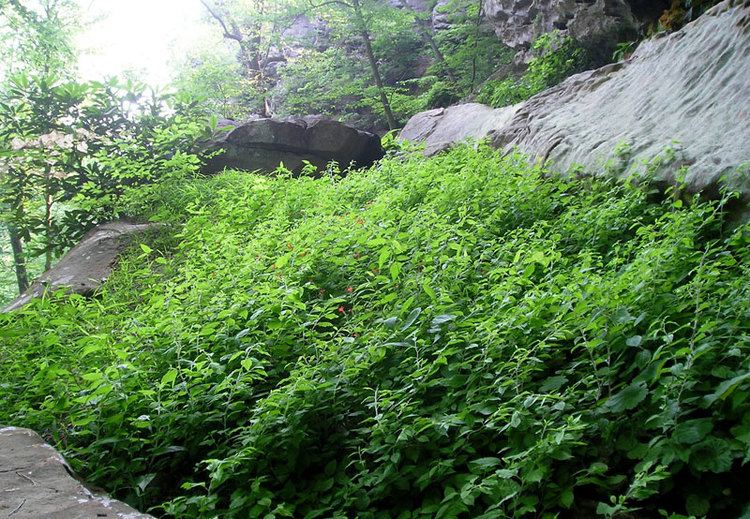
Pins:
x,y
36,482
84,268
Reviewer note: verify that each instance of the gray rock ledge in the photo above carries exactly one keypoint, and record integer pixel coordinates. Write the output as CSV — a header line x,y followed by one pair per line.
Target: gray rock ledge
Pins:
x,y
36,482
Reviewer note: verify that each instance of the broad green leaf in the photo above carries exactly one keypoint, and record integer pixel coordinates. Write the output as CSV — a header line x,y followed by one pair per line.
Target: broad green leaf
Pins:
x,y
395,270
283,261
169,377
711,455
628,398
426,286
726,388
411,318
634,341
692,431
442,319
483,464
697,506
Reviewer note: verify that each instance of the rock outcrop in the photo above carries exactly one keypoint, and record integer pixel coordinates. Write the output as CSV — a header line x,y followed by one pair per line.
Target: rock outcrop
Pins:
x,y
36,482
599,25
681,99
438,129
263,144
87,265
519,23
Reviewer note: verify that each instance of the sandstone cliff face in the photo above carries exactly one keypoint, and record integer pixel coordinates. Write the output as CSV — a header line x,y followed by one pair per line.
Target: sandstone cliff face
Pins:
x,y
597,24
679,103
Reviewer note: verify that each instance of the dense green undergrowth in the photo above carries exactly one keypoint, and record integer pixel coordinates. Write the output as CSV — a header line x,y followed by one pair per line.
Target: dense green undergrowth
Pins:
x,y
453,337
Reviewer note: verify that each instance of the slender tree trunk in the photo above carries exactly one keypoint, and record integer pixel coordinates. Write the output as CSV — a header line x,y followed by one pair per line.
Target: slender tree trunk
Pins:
x,y
426,29
48,202
427,32
249,54
19,262
365,34
477,27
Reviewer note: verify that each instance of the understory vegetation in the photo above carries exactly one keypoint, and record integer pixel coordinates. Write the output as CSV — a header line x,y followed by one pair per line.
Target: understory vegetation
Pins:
x,y
555,58
455,336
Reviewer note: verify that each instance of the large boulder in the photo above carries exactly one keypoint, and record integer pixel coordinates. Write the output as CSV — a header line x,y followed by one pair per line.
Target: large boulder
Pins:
x,y
36,482
681,99
263,144
438,129
87,265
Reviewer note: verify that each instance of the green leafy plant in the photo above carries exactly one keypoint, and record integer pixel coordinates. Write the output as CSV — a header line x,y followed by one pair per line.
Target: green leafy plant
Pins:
x,y
556,57
69,151
461,335
623,50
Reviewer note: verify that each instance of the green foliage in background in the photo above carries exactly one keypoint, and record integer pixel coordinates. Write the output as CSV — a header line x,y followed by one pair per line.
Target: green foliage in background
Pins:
x,y
329,83
215,81
472,50
37,36
326,70
69,151
321,82
455,336
556,57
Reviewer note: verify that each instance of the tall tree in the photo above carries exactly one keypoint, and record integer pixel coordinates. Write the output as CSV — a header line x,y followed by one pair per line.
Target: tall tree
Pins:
x,y
423,23
360,13
256,26
36,37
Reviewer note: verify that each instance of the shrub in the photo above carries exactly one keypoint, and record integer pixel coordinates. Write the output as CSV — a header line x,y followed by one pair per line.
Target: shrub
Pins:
x,y
557,57
460,335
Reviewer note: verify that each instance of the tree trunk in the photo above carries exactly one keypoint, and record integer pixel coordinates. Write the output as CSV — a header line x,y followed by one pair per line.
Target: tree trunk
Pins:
x,y
19,262
365,34
248,55
477,27
425,27
427,32
48,202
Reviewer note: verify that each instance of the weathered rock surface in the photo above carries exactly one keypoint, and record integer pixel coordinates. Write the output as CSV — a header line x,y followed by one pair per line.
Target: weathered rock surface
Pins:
x,y
688,91
36,482
441,127
87,265
598,24
263,144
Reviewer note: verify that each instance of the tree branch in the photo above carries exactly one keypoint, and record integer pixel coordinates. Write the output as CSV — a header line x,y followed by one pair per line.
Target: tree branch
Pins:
x,y
330,2
233,35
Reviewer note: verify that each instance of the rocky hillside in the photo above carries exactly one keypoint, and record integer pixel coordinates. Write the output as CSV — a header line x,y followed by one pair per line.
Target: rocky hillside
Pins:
x,y
552,322
426,53
686,124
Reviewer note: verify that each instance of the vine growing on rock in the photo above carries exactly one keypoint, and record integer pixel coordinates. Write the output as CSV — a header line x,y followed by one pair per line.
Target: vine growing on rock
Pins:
x,y
556,57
